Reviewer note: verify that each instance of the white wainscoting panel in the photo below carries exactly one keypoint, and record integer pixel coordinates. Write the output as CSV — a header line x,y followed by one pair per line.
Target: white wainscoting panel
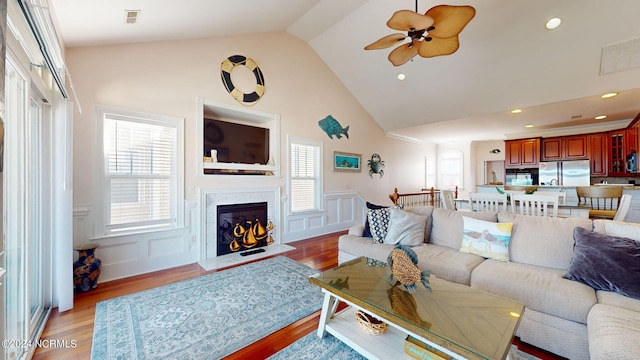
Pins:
x,y
134,254
341,211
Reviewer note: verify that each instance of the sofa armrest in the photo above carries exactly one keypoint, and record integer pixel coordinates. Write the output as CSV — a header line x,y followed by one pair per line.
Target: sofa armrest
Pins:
x,y
356,230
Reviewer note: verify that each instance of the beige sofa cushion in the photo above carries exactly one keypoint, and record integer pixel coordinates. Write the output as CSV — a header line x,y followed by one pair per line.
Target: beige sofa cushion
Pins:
x,y
617,228
541,289
447,226
424,211
541,240
446,263
365,246
615,299
613,333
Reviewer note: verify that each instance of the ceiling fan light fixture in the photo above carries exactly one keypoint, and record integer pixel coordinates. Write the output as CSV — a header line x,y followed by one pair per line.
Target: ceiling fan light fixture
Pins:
x,y
433,34
608,95
553,23
401,76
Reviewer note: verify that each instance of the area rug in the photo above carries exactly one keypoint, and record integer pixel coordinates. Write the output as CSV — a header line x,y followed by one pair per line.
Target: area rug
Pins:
x,y
311,347
207,317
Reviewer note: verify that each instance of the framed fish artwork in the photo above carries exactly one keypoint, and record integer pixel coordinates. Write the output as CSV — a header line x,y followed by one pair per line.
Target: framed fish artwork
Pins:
x,y
347,162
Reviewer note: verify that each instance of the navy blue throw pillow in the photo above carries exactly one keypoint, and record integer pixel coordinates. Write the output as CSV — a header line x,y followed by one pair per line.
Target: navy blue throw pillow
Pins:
x,y
606,262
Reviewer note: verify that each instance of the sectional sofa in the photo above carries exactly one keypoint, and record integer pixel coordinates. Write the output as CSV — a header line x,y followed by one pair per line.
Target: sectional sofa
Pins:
x,y
566,313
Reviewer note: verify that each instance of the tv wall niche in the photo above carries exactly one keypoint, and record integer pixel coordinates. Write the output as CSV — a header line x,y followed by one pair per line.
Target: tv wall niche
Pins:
x,y
245,141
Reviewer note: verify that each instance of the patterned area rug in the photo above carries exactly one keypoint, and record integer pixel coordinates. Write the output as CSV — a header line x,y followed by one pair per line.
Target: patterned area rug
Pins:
x,y
311,347
207,317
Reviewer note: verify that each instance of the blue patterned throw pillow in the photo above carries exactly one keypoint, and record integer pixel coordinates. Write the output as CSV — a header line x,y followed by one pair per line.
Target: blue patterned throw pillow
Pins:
x,y
379,223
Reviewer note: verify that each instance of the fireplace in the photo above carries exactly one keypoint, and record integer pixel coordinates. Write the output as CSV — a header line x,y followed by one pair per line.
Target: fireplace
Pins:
x,y
243,228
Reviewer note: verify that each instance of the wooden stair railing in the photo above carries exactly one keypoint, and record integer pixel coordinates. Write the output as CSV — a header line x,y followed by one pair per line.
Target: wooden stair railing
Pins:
x,y
427,197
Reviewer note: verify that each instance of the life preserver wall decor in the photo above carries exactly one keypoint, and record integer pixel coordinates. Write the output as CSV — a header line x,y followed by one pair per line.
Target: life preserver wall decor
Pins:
x,y
225,73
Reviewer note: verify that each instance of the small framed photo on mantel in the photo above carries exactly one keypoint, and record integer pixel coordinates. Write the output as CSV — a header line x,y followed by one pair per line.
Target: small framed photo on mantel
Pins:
x,y
347,162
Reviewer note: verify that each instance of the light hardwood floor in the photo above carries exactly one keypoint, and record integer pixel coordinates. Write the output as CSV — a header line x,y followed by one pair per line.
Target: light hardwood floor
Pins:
x,y
77,324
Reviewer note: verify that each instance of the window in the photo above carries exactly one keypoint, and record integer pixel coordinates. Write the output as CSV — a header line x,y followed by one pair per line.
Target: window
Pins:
x,y
305,183
451,169
141,156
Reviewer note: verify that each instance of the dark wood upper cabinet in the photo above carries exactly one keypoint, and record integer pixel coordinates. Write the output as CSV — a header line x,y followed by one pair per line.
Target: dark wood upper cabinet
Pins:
x,y
523,153
597,149
564,148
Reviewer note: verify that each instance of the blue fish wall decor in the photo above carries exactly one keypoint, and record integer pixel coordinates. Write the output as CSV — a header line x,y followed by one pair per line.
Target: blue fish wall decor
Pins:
x,y
332,127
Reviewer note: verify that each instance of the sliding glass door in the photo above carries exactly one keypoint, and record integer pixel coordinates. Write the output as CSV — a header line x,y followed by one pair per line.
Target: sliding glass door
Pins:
x,y
27,296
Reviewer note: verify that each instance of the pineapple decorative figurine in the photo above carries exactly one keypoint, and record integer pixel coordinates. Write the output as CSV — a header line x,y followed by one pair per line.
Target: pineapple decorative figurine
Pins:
x,y
87,269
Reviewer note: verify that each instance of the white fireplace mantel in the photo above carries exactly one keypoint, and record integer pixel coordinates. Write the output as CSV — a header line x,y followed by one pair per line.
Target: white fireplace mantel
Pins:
x,y
211,198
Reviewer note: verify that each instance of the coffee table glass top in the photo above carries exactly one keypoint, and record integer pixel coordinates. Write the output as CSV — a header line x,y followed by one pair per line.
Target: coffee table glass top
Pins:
x,y
472,323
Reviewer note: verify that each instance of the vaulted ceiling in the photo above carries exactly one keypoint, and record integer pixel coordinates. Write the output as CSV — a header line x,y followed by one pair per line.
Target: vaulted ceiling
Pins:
x,y
507,58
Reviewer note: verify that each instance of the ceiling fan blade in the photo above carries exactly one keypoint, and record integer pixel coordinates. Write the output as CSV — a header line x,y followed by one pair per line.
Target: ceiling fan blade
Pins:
x,y
438,47
386,42
406,20
403,53
450,20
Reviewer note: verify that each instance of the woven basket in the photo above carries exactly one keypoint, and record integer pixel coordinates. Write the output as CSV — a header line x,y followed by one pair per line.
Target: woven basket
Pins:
x,y
369,324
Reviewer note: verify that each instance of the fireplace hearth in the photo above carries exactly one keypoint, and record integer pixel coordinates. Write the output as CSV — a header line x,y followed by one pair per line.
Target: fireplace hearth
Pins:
x,y
243,228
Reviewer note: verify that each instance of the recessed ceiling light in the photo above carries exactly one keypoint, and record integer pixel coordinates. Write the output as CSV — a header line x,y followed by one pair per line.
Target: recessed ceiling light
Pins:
x,y
401,76
528,126
608,95
553,23
516,111
600,117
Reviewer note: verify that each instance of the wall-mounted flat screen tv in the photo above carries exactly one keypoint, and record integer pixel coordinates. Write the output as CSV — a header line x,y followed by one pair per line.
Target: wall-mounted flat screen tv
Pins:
x,y
236,143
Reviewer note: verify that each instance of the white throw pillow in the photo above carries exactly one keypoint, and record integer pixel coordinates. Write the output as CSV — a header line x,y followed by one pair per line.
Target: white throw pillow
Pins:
x,y
487,239
405,228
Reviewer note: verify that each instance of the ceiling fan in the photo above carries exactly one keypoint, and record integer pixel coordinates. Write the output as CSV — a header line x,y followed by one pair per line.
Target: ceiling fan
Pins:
x,y
433,34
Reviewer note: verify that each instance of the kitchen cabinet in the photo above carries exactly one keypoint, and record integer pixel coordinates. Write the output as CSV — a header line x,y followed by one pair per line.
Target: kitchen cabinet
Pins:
x,y
564,148
621,144
598,154
522,153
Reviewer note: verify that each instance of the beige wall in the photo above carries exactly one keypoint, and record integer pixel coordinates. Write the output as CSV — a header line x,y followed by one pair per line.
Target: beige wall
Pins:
x,y
167,77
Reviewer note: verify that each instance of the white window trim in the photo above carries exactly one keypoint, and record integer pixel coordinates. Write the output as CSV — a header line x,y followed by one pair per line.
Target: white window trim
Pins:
x,y
100,192
319,184
447,155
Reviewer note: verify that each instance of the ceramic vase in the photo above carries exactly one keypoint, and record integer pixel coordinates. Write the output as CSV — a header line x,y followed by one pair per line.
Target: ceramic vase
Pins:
x,y
87,269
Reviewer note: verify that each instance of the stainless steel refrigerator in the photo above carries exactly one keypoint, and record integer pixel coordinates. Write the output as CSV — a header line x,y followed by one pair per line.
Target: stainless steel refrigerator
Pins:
x,y
567,173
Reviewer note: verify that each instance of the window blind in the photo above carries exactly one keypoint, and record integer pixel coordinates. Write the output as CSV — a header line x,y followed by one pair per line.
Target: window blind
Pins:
x,y
305,178
140,174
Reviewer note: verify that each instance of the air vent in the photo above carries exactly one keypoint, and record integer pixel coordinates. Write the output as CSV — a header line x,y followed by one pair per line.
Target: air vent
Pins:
x,y
131,16
619,57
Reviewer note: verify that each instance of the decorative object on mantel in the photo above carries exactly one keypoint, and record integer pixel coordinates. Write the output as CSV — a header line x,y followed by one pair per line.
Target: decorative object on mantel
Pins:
x,y
375,165
87,269
403,263
332,127
495,151
433,34
228,65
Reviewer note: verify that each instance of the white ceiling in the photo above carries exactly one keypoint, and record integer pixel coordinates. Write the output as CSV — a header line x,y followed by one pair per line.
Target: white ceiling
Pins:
x,y
507,59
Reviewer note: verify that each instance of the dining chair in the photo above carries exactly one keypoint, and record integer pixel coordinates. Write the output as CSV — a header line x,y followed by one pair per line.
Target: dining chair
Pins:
x,y
448,199
623,208
535,205
488,202
603,200
562,195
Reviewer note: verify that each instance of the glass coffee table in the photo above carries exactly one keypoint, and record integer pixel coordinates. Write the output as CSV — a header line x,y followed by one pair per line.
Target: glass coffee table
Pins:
x,y
459,321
